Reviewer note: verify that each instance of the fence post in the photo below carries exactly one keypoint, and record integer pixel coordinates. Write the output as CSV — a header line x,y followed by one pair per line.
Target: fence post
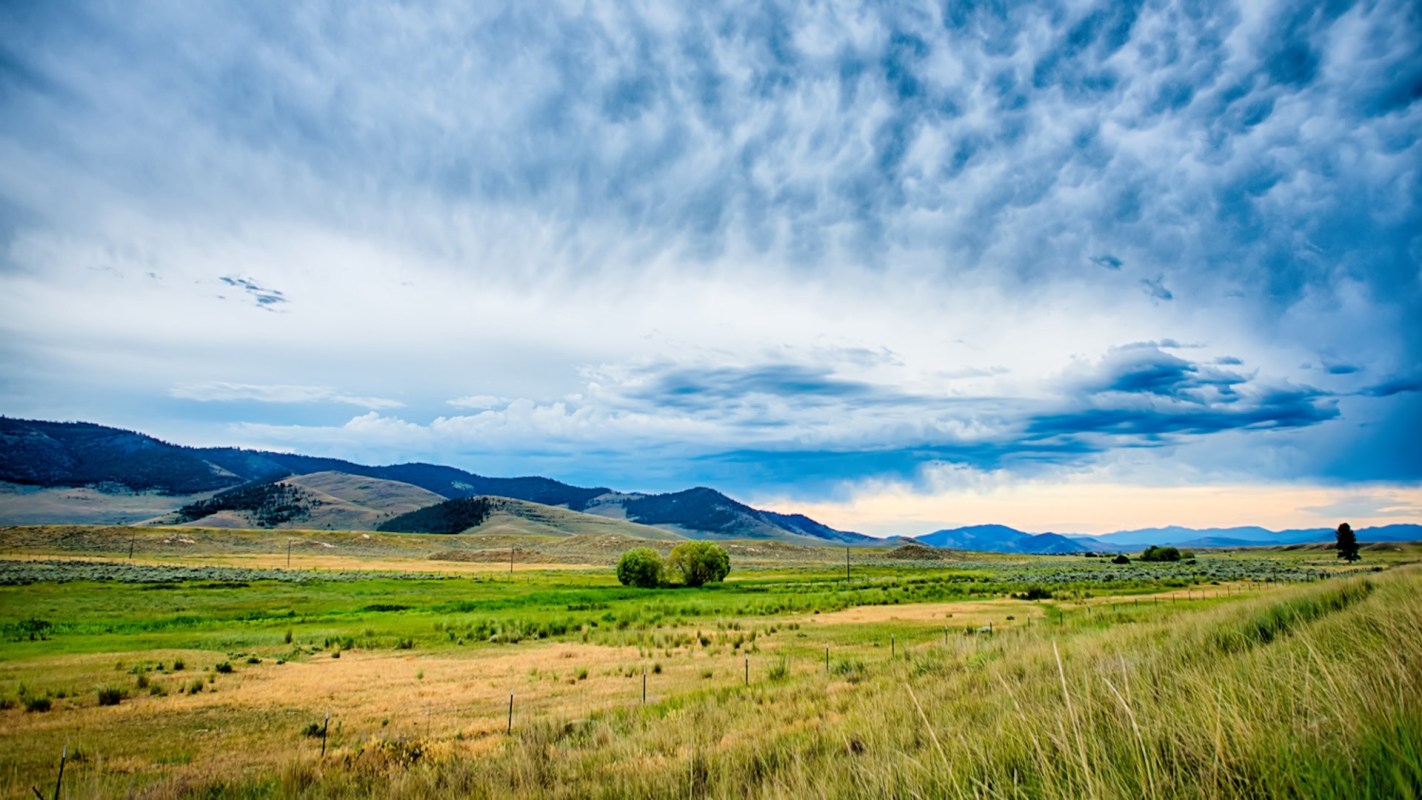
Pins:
x,y
63,757
826,659
747,670
325,726
510,730
891,646
644,686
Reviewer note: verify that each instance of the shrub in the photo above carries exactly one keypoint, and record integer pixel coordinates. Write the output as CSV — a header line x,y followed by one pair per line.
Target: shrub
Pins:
x,y
178,665
111,695
1154,553
1035,593
699,563
196,686
38,703
1121,559
223,667
640,566
780,670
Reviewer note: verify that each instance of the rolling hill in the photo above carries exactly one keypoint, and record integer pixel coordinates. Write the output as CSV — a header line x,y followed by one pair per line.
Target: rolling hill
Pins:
x,y
704,513
503,515
47,462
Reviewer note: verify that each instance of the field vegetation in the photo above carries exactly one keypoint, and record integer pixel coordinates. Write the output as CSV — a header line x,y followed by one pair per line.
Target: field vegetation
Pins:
x,y
210,672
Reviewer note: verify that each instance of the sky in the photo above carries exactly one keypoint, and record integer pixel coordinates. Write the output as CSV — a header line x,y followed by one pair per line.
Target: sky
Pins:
x,y
1073,266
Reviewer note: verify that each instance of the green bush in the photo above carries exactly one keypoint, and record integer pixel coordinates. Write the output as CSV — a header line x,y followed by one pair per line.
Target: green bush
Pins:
x,y
37,703
780,670
1154,553
111,695
223,667
640,566
1122,558
700,563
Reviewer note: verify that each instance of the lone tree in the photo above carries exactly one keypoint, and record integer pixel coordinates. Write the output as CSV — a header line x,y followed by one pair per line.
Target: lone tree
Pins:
x,y
1347,543
699,562
640,566
1154,553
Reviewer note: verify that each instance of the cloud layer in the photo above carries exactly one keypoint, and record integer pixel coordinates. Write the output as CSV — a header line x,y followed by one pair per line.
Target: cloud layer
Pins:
x,y
791,249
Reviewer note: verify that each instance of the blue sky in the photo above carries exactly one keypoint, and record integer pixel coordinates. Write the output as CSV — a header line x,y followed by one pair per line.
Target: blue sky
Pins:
x,y
1061,265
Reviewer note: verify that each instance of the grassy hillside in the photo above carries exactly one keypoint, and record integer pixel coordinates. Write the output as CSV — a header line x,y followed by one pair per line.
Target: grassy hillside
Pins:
x,y
506,516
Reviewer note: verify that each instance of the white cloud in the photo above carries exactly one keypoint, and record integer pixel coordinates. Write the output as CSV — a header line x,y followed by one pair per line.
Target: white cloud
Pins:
x,y
525,209
218,391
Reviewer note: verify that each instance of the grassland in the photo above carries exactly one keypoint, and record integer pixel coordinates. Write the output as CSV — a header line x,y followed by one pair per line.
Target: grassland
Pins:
x,y
1263,673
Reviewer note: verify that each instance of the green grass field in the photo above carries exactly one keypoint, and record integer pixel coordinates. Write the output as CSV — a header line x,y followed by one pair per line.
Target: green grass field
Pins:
x,y
208,669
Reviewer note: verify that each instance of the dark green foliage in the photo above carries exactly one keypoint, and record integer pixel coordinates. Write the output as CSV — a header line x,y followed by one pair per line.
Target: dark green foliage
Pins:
x,y
270,504
39,453
38,703
1035,593
699,563
699,508
223,667
453,516
1160,554
1121,558
1347,543
312,729
80,454
641,567
111,695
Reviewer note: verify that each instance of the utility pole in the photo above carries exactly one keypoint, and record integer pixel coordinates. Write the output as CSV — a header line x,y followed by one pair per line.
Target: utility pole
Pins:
x,y
846,563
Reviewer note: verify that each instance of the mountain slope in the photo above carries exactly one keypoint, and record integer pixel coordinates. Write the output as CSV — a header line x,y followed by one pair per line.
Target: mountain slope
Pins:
x,y
38,453
706,513
77,454
502,515
82,454
1001,539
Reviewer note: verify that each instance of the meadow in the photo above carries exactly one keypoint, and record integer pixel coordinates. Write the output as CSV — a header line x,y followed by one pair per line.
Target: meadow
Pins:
x,y
210,670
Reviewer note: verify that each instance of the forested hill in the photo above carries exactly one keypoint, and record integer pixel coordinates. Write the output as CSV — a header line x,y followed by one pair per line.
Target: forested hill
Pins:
x,y
38,453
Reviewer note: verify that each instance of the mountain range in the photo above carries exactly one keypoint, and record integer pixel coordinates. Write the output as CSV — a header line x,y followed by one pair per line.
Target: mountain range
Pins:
x,y
63,472
79,472
1002,539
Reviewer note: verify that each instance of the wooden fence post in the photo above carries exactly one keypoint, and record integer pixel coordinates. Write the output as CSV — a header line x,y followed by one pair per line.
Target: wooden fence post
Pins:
x,y
510,730
325,726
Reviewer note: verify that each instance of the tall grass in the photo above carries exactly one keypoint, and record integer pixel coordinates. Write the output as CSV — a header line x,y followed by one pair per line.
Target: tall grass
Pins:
x,y
1312,691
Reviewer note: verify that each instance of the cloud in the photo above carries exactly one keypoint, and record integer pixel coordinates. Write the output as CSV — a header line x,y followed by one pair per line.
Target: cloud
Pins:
x,y
265,298
479,402
1155,287
718,239
1396,385
220,391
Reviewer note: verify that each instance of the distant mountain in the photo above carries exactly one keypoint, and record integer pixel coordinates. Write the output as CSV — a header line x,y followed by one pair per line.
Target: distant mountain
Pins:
x,y
1001,539
81,454
37,453
706,513
234,487
1247,536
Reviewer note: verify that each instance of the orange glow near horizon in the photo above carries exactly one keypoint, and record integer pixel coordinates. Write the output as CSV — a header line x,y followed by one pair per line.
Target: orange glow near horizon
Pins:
x,y
1103,508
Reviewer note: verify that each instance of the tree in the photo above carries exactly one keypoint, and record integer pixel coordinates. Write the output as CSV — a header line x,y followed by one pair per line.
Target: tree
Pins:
x,y
1154,553
1121,558
699,562
1347,543
641,567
